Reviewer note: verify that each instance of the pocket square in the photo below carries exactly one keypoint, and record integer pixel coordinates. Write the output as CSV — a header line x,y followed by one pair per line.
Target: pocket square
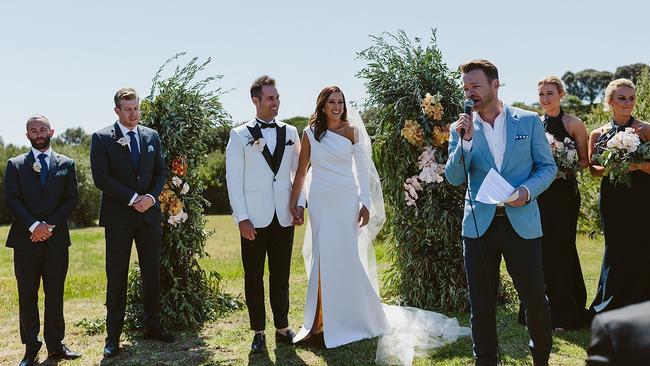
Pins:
x,y
61,173
150,148
289,143
521,137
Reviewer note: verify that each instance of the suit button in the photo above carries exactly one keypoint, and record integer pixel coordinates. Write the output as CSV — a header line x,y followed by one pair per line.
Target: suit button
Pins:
x,y
138,178
274,179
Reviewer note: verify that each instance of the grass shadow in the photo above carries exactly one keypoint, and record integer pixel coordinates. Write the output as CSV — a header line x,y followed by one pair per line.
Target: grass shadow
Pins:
x,y
190,348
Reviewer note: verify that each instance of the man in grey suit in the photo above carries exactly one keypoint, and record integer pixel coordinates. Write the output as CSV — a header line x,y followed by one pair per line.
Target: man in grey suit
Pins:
x,y
128,167
41,192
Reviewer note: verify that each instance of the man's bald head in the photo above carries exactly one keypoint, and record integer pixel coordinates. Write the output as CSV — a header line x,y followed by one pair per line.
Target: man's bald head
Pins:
x,y
38,118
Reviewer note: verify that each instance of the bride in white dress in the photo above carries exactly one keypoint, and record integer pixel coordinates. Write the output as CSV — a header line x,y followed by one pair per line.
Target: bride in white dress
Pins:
x,y
346,211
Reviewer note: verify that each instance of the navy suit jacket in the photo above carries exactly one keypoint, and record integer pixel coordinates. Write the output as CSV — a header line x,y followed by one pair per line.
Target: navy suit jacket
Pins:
x,y
29,202
527,161
118,179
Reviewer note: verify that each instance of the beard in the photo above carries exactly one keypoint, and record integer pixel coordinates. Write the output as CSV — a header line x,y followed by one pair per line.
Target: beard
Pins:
x,y
41,144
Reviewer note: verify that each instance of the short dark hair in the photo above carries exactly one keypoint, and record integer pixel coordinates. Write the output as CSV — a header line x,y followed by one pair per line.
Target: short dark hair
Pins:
x,y
259,83
479,64
124,94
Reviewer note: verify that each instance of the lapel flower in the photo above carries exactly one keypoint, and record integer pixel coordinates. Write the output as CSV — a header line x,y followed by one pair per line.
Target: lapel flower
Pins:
x,y
37,166
258,145
124,141
289,143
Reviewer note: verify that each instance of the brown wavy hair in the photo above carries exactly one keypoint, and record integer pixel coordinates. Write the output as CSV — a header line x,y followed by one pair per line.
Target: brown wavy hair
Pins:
x,y
318,120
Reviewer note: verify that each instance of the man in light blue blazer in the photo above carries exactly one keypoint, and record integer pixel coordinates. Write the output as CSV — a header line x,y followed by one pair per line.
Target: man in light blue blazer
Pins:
x,y
512,142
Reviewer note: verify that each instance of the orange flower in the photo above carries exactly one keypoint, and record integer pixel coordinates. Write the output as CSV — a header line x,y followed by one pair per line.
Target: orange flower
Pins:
x,y
413,133
440,135
179,166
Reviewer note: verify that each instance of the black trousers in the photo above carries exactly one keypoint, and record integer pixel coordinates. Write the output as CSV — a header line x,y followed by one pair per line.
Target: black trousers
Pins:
x,y
30,266
524,263
276,241
148,241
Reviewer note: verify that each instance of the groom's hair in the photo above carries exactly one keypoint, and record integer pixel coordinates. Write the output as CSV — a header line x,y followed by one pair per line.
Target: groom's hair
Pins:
x,y
479,64
124,94
259,83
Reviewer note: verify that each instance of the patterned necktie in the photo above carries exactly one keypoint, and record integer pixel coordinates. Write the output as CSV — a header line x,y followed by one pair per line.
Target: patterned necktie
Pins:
x,y
44,168
135,152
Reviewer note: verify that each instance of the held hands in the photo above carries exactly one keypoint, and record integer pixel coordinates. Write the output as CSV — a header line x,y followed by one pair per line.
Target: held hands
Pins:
x,y
247,230
298,214
465,122
41,233
142,203
364,216
522,199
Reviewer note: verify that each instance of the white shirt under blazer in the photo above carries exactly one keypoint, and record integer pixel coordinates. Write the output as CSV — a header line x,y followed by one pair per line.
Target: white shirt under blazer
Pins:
x,y
256,193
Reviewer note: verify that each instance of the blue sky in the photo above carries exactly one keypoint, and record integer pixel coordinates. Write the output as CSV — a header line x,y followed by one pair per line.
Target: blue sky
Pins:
x,y
66,59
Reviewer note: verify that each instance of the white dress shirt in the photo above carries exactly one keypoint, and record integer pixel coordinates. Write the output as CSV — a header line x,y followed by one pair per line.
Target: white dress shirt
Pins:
x,y
270,135
48,161
125,130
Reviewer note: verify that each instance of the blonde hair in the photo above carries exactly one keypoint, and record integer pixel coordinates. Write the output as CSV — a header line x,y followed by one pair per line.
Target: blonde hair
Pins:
x,y
124,94
611,87
553,80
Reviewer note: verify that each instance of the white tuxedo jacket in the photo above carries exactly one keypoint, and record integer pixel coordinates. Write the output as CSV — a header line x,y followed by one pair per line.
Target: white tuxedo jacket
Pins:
x,y
260,182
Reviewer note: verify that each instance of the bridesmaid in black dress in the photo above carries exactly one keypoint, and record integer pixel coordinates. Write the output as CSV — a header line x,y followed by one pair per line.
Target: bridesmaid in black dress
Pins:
x,y
625,211
559,207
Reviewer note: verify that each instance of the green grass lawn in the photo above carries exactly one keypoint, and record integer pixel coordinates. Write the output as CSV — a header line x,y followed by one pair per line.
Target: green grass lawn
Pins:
x,y
226,341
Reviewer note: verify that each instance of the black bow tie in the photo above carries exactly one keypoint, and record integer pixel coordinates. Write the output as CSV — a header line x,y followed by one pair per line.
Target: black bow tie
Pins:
x,y
267,125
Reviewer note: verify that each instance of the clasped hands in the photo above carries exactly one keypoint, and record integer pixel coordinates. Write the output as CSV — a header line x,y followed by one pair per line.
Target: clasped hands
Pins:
x,y
42,232
142,203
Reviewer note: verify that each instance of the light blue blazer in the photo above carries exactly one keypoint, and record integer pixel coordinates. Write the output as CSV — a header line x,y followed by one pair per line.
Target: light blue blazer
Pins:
x,y
527,162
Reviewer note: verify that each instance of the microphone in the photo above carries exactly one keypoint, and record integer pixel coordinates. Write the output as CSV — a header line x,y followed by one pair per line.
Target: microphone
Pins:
x,y
468,104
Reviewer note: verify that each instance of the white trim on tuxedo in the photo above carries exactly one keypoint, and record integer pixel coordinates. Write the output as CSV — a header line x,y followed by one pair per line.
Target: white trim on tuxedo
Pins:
x,y
255,193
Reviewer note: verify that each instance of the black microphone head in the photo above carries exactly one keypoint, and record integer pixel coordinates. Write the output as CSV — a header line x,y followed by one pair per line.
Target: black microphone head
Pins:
x,y
468,104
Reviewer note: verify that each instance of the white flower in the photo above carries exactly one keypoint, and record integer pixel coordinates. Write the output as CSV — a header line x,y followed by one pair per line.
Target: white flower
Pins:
x,y
37,166
176,181
185,189
625,140
572,155
124,141
259,144
178,219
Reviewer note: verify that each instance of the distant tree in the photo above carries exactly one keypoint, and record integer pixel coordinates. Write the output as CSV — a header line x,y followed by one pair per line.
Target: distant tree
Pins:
x,y
573,105
631,71
588,85
73,136
533,107
299,122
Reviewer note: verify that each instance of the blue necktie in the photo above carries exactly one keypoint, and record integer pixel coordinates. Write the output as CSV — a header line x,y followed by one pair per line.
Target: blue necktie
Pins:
x,y
135,152
44,169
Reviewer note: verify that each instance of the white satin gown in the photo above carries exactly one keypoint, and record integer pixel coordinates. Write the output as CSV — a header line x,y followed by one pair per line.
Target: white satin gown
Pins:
x,y
341,254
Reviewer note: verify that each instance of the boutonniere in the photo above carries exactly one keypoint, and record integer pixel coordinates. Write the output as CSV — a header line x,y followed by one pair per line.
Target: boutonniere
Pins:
x,y
37,166
124,140
521,137
61,173
150,148
289,143
257,145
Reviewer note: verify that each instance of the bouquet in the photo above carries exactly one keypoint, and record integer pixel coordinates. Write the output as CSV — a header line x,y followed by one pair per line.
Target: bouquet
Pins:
x,y
623,150
565,155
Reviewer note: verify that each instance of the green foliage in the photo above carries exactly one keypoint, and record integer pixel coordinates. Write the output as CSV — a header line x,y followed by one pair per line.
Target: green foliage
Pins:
x,y
533,107
213,175
642,107
92,327
299,122
424,241
588,85
186,115
632,72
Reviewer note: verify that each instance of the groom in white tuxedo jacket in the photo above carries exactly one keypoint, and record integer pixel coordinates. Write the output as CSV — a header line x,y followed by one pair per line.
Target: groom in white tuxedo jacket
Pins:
x,y
261,162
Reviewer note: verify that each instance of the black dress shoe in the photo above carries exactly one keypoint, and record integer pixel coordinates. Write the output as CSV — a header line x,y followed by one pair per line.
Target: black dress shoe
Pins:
x,y
259,343
159,335
62,351
31,353
111,348
285,338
